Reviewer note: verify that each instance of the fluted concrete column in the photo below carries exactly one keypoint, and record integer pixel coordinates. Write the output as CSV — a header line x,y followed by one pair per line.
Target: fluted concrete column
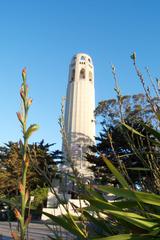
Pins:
x,y
79,108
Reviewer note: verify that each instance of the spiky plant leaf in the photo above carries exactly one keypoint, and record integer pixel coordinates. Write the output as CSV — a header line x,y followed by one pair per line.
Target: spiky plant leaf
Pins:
x,y
32,128
116,173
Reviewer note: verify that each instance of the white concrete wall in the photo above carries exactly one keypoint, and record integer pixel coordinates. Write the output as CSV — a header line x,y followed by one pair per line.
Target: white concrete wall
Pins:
x,y
80,104
80,100
61,210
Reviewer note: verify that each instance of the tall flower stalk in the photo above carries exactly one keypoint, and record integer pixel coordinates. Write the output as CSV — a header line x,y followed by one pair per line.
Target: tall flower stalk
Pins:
x,y
21,214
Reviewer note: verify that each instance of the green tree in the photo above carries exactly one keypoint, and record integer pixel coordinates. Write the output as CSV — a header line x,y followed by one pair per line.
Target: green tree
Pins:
x,y
11,163
127,107
132,154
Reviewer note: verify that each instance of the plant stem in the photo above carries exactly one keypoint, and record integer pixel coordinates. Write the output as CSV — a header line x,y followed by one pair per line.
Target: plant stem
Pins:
x,y
22,116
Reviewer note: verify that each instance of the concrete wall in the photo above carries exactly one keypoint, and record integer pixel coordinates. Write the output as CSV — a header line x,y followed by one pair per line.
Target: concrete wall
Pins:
x,y
80,106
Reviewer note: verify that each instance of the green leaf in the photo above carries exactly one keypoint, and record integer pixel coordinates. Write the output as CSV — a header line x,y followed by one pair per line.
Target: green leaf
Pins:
x,y
30,130
139,169
125,204
155,133
132,130
98,222
134,219
130,217
154,215
66,224
97,204
127,237
115,172
148,198
93,193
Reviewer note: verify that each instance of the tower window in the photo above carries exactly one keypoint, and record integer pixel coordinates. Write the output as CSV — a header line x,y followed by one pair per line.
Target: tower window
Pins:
x,y
90,76
82,73
82,58
73,75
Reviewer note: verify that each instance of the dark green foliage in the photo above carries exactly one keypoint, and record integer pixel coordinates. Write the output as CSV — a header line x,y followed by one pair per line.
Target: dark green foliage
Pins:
x,y
131,108
40,198
11,161
131,153
131,215
10,168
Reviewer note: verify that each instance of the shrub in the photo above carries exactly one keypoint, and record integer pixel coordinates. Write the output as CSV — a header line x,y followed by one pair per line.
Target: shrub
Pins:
x,y
40,198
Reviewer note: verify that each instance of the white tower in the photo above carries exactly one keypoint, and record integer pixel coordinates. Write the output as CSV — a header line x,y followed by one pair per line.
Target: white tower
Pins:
x,y
79,109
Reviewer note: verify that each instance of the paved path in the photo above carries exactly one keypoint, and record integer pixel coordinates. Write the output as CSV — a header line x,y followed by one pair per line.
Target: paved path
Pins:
x,y
36,231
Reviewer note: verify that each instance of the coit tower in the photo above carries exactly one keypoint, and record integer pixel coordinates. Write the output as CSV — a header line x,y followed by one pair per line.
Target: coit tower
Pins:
x,y
79,120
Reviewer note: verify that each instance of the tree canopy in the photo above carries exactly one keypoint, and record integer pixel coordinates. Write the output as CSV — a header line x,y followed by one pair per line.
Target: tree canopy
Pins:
x,y
11,162
128,107
133,154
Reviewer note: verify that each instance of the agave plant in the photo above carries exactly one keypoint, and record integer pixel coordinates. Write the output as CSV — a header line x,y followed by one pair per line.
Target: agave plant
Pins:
x,y
132,215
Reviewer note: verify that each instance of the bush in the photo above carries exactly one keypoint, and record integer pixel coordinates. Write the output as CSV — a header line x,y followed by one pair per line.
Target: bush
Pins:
x,y
40,198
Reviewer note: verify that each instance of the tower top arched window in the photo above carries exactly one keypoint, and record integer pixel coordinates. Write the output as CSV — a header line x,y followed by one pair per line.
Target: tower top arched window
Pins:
x,y
73,75
82,58
82,74
90,76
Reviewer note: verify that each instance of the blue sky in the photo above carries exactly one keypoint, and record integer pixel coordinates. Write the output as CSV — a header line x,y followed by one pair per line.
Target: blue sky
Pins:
x,y
43,35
